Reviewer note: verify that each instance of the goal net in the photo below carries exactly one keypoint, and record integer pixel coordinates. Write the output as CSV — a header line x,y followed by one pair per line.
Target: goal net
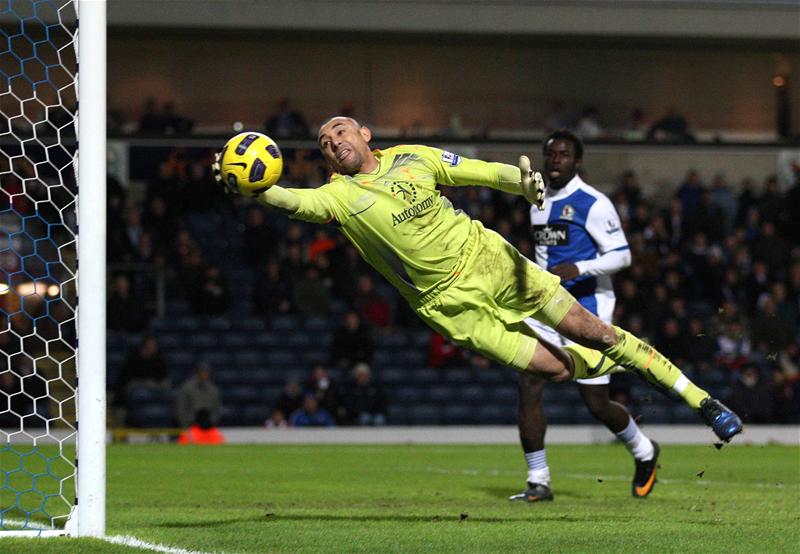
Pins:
x,y
39,276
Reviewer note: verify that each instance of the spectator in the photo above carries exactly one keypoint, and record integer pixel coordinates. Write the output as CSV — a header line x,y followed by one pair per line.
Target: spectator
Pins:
x,y
771,203
784,408
750,397
286,123
365,402
290,398
174,123
700,347
589,127
671,341
144,368
770,332
260,240
311,414
125,312
733,346
444,353
310,296
771,247
672,127
212,296
690,193
159,223
351,343
373,308
277,420
724,199
198,393
325,391
272,293
202,431
151,122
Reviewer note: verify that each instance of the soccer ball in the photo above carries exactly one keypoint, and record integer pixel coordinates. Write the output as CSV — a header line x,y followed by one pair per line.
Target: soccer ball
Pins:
x,y
250,163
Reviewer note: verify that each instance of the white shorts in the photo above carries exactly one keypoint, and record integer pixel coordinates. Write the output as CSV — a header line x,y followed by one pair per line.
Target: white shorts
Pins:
x,y
605,309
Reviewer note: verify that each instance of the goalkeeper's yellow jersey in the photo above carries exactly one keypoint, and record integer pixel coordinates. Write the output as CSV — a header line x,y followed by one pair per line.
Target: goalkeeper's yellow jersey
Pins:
x,y
396,217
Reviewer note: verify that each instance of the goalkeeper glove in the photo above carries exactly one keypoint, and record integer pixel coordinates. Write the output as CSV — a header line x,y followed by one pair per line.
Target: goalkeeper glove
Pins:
x,y
532,183
216,170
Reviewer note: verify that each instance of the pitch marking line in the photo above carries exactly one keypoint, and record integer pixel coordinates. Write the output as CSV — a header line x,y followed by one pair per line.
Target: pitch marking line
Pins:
x,y
129,541
133,542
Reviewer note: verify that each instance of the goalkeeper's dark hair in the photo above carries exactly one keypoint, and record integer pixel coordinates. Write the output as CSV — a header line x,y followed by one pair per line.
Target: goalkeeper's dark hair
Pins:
x,y
565,134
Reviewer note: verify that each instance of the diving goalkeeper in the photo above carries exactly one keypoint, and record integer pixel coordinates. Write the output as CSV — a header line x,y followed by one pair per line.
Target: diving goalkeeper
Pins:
x,y
465,281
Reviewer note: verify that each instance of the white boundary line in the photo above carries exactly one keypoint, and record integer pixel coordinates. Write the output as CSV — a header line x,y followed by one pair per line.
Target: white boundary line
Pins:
x,y
123,540
133,542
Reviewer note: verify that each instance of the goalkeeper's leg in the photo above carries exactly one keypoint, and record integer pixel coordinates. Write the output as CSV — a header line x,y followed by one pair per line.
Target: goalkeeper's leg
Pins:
x,y
602,347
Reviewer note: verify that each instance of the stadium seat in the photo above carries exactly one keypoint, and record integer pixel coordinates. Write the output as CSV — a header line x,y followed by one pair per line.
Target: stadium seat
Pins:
x,y
249,357
424,414
656,412
235,339
473,393
266,338
152,415
496,414
442,393
425,375
313,356
458,375
255,414
225,377
392,375
407,395
204,340
394,339
504,393
681,413
317,324
459,414
285,323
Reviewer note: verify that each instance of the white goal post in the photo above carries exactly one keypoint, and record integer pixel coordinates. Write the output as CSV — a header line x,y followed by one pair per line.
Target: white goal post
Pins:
x,y
52,268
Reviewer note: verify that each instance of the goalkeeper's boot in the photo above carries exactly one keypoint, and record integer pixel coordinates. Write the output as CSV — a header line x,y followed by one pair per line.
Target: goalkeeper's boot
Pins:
x,y
536,492
722,419
645,477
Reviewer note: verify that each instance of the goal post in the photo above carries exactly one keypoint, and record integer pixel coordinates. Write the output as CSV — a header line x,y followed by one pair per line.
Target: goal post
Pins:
x,y
52,267
91,392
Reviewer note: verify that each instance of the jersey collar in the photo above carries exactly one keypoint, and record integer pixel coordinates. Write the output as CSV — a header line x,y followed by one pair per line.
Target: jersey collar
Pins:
x,y
573,185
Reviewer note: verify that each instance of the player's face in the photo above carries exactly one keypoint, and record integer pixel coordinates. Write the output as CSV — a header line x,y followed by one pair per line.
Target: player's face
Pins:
x,y
560,164
344,145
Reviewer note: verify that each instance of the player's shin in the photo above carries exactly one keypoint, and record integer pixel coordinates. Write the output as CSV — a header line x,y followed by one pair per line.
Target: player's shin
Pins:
x,y
634,354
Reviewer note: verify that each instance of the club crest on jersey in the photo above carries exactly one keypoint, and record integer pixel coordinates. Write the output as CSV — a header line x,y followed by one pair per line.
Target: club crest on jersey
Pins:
x,y
556,234
451,159
404,191
567,213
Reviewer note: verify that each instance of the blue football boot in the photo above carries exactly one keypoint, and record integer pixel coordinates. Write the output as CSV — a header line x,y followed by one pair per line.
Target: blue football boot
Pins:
x,y
722,419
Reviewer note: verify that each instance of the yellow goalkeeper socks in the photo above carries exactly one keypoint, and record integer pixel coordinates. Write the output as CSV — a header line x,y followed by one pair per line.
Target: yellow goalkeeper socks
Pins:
x,y
634,354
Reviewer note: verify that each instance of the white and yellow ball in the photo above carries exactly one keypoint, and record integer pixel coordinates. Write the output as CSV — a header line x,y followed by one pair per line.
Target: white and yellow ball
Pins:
x,y
250,163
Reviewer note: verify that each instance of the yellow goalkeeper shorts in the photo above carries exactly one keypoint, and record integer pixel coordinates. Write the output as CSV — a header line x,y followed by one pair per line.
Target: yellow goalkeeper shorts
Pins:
x,y
483,305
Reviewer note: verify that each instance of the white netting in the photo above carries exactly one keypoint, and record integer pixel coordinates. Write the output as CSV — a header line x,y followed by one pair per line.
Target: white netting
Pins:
x,y
38,296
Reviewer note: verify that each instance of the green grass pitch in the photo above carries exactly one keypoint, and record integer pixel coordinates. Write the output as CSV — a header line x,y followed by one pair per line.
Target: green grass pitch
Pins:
x,y
442,499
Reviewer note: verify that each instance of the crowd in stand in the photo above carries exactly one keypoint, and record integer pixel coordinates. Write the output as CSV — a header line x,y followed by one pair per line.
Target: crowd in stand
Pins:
x,y
289,122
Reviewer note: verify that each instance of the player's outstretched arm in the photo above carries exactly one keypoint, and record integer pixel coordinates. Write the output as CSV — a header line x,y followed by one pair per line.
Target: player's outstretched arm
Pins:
x,y
288,201
452,169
